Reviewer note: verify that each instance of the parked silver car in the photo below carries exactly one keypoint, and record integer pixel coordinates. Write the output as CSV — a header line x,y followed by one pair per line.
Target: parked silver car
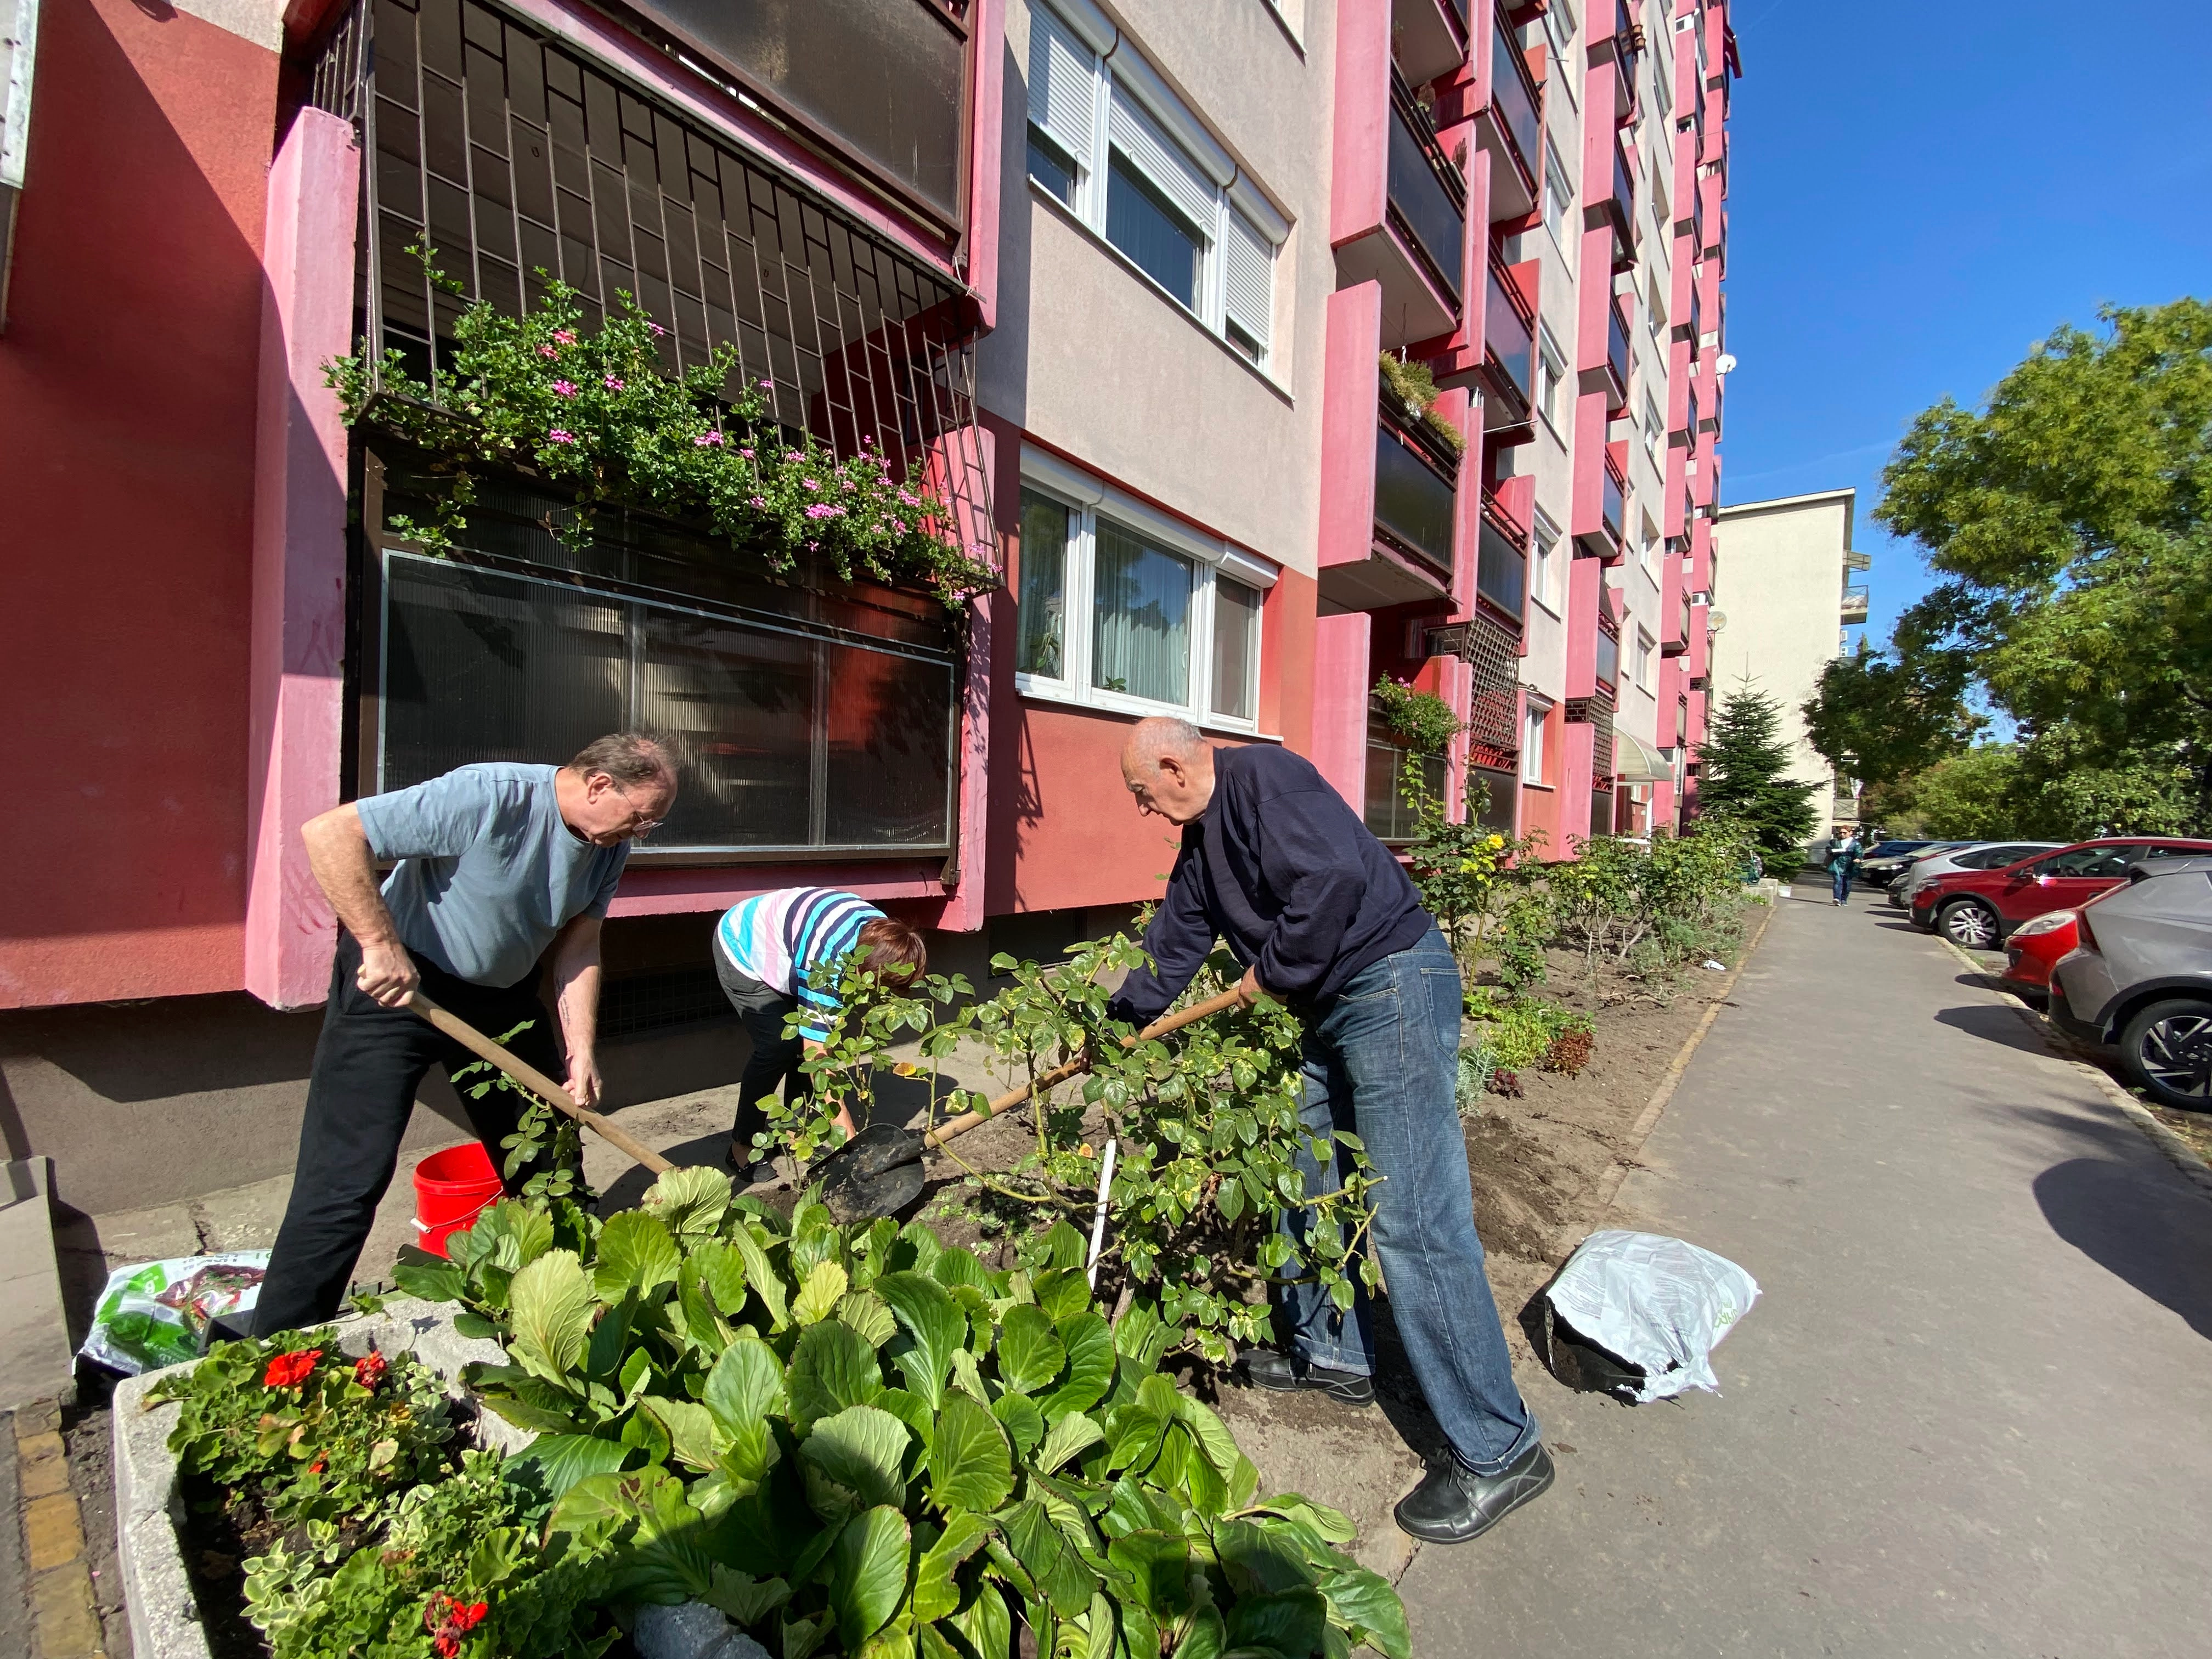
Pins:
x,y
1963,855
2141,979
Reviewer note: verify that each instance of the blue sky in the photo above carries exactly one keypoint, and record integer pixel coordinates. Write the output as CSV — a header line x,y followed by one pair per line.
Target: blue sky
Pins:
x,y
1918,192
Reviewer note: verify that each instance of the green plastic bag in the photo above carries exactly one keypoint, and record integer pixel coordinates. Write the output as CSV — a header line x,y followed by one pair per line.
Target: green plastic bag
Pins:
x,y
157,1314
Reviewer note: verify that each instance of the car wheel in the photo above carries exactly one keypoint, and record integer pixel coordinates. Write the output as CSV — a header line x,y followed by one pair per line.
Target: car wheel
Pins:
x,y
1969,923
2168,1050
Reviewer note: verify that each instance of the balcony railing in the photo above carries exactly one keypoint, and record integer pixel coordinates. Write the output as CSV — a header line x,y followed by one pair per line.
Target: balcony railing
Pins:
x,y
1518,104
1679,642
1509,341
1615,508
1501,571
1856,600
1616,357
1426,196
1609,661
1620,207
884,81
1414,496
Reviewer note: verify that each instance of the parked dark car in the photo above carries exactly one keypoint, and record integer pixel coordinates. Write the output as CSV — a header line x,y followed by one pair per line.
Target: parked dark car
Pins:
x,y
2140,978
1880,863
1978,907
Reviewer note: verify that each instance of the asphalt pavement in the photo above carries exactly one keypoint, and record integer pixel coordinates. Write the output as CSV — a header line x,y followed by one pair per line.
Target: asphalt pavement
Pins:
x,y
1971,1412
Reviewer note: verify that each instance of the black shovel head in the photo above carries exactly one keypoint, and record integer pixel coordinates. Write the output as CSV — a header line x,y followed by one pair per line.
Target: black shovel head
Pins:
x,y
877,1173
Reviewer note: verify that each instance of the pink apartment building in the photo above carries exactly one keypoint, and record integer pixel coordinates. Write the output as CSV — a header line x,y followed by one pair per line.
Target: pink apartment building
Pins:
x,y
1120,275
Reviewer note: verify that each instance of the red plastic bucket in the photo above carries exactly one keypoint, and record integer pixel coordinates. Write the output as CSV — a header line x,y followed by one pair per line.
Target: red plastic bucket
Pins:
x,y
451,1189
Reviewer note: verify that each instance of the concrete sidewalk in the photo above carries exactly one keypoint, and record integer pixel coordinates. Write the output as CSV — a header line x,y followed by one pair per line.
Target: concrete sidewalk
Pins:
x,y
1972,1412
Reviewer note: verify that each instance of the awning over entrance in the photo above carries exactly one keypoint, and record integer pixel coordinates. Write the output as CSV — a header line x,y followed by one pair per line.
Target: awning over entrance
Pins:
x,y
1636,762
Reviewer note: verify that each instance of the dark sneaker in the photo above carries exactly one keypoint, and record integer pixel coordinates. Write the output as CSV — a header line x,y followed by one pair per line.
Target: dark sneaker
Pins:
x,y
1453,1504
746,1172
1279,1371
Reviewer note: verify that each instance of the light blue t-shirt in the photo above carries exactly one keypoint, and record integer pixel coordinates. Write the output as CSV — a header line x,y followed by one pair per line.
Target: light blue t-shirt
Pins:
x,y
489,872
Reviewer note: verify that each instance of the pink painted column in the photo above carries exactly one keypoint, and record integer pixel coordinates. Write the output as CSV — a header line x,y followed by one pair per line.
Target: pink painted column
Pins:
x,y
1340,681
298,641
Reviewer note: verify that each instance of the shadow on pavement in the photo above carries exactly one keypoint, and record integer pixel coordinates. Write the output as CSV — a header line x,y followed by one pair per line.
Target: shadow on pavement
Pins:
x,y
2106,1211
1996,1022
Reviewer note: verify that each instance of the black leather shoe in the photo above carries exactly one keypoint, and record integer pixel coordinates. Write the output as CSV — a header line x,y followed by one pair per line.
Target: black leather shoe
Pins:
x,y
1270,1369
1453,1504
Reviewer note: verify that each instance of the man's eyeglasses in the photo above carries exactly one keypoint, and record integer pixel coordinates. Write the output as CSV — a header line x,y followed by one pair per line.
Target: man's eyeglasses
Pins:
x,y
638,826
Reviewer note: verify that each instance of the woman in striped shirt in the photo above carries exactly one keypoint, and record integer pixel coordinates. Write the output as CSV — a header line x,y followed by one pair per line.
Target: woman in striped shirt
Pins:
x,y
776,956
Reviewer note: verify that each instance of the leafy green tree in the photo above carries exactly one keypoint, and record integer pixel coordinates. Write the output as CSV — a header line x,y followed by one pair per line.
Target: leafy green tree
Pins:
x,y
1745,775
2069,518
1971,796
1882,716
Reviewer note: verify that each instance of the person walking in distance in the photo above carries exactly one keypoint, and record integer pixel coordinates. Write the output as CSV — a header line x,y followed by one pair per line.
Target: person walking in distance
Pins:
x,y
776,956
496,863
1326,921
1843,858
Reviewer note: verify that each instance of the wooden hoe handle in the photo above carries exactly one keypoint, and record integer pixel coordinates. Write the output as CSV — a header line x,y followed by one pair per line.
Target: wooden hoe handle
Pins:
x,y
1076,1067
534,1080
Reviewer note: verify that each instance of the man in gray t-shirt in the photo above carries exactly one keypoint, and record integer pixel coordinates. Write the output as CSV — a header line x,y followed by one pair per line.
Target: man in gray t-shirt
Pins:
x,y
498,864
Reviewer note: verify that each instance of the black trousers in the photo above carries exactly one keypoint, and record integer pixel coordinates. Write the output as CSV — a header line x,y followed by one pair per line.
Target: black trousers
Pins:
x,y
776,1057
368,1062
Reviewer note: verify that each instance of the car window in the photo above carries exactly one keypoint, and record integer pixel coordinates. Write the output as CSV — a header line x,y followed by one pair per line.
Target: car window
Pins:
x,y
2087,861
2157,852
1989,858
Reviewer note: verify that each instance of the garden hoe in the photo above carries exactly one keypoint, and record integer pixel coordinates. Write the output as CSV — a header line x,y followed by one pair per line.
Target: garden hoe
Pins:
x,y
878,1172
534,1080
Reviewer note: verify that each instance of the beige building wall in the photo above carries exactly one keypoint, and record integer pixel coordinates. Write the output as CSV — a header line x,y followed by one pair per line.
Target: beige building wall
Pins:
x,y
1780,571
1092,358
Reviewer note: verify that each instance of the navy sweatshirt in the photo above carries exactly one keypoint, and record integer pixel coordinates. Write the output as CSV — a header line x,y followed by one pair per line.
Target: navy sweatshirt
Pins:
x,y
1283,871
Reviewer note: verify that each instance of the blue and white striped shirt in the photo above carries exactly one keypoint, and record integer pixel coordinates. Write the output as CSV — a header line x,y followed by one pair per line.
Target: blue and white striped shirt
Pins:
x,y
782,939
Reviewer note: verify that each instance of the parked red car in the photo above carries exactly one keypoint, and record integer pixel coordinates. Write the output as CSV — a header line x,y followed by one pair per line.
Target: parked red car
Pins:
x,y
1978,907
2033,950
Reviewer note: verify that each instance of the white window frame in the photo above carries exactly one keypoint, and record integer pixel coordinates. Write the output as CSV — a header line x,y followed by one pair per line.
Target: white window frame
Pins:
x,y
1551,373
1237,215
1655,427
1533,719
1559,25
1088,500
1544,554
1645,646
1555,169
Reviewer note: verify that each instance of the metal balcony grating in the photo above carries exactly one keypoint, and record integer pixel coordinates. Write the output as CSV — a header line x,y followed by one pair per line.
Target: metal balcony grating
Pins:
x,y
513,155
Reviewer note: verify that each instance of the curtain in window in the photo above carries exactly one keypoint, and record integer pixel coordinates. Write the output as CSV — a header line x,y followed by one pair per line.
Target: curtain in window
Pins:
x,y
1044,639
1142,599
1235,648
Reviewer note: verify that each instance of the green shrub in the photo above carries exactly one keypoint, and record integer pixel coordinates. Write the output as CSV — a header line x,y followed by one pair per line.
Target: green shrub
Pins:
x,y
1518,1032
1206,1123
856,1441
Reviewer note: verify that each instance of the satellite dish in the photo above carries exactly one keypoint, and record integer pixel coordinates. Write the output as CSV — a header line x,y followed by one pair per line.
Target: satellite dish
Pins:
x,y
1725,363
1716,620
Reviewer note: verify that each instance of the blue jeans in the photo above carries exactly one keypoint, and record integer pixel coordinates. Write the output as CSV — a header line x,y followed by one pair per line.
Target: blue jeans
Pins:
x,y
1839,879
1381,1061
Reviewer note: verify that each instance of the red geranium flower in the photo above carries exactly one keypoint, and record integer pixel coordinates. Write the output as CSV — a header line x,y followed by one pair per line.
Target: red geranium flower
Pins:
x,y
288,1371
448,1620
368,1371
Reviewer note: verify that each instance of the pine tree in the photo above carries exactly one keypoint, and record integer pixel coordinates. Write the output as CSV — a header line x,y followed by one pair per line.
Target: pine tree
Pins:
x,y
1744,776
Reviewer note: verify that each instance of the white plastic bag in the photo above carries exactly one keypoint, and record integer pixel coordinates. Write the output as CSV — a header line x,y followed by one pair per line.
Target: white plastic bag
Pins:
x,y
1657,1303
157,1313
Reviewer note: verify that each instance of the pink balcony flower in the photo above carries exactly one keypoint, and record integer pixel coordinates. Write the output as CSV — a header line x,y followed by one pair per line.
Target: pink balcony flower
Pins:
x,y
747,453
811,546
613,383
766,386
812,483
907,498
707,441
548,351
793,455
758,501
558,436
565,335
564,388
659,332
899,525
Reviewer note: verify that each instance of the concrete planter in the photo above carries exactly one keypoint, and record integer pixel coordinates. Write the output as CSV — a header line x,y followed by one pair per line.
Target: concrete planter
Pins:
x,y
149,1512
